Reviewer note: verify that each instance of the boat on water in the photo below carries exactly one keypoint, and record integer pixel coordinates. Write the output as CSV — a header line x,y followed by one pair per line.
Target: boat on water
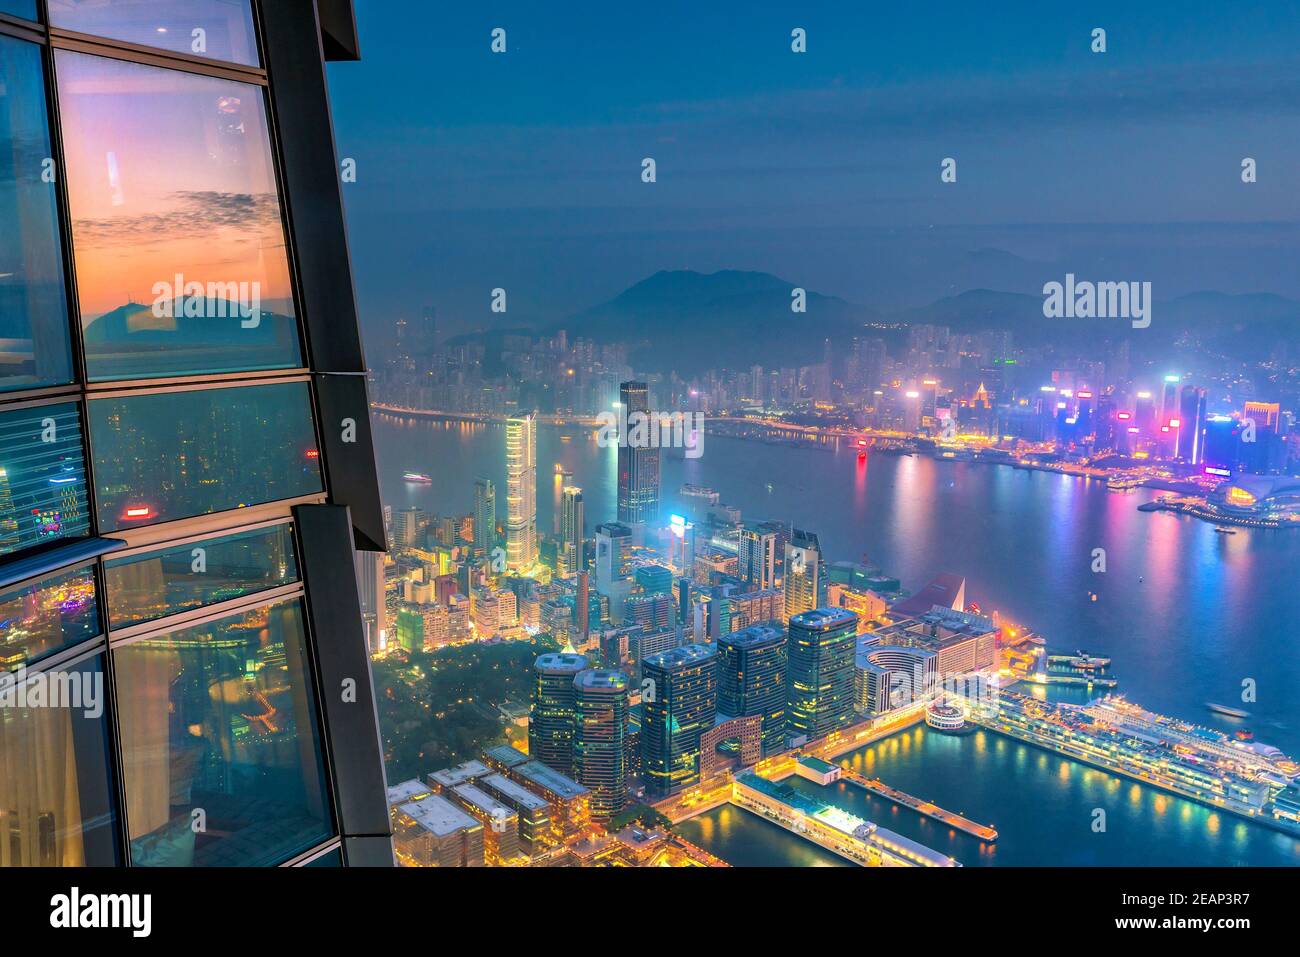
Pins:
x,y
1079,661
1224,709
1224,530
416,478
1123,483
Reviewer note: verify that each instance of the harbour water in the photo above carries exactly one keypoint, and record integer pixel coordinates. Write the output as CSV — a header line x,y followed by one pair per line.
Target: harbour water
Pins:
x,y
1042,805
1186,615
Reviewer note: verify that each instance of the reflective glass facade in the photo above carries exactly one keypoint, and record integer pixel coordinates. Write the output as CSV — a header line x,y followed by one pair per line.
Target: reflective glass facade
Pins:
x,y
169,682
42,476
161,456
181,265
217,29
19,8
43,615
220,742
167,581
56,800
33,304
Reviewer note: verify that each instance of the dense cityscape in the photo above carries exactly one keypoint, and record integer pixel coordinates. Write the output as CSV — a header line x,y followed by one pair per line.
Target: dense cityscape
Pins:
x,y
819,436
666,664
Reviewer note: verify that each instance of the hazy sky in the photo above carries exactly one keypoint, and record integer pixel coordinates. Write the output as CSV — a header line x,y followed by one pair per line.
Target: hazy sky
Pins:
x,y
522,169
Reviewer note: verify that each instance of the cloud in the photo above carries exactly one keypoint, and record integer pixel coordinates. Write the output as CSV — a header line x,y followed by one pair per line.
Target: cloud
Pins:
x,y
188,213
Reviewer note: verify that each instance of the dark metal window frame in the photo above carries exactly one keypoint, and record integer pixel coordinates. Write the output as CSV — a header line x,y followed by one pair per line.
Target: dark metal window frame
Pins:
x,y
81,391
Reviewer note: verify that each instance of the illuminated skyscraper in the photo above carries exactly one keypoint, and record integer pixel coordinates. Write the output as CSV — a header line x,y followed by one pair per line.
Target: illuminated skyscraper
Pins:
x,y
1265,415
638,468
821,650
599,740
485,515
521,492
1191,425
757,564
752,679
582,607
10,536
803,567
570,559
1169,399
1144,415
613,570
679,697
551,722
1222,444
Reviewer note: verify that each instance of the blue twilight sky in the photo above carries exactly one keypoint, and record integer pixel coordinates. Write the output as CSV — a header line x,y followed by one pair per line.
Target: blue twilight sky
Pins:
x,y
522,169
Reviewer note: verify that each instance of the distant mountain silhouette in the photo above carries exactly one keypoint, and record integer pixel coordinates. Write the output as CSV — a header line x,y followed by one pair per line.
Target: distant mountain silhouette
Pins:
x,y
1245,326
135,324
693,321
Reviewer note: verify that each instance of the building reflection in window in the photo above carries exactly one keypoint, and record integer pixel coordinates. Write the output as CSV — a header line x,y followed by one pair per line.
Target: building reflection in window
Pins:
x,y
172,580
34,347
219,742
166,456
42,476
45,615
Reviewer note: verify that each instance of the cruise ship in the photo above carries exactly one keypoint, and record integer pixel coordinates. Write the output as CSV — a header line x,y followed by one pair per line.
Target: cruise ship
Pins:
x,y
416,478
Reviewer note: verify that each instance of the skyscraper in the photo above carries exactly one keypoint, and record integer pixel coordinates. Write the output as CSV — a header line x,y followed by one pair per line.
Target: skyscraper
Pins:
x,y
1191,425
485,516
757,564
521,492
582,609
228,433
551,720
572,529
613,571
1169,399
600,729
820,652
752,679
638,467
679,697
408,525
803,573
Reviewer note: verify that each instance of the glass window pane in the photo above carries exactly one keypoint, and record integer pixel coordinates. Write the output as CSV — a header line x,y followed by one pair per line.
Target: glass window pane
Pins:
x,y
219,743
33,307
175,455
42,476
176,222
45,615
172,580
220,29
56,807
19,8
332,859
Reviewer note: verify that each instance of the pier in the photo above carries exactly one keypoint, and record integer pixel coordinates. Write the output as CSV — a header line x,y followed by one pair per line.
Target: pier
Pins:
x,y
1174,756
928,808
851,837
